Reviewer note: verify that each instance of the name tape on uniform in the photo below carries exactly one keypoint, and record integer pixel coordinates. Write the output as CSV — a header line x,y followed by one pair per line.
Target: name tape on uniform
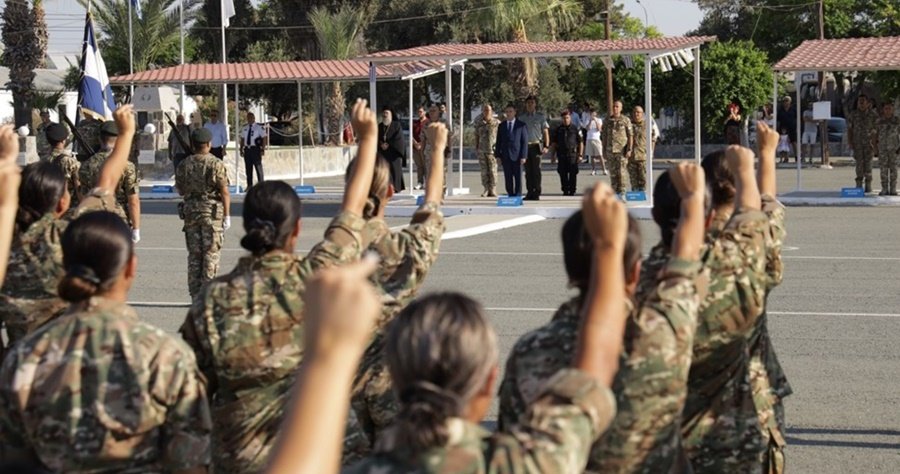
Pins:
x,y
509,201
162,188
305,189
852,193
635,196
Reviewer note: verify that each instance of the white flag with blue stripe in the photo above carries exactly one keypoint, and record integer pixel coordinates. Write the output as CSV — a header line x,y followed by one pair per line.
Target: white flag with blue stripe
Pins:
x,y
137,9
94,94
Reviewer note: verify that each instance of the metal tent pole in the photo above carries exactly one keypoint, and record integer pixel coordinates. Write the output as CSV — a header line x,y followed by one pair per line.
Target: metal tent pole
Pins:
x,y
648,125
300,127
698,152
799,124
462,114
410,159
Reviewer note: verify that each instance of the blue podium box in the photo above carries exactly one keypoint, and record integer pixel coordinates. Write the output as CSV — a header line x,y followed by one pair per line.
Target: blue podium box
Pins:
x,y
852,193
635,196
509,201
162,188
305,189
420,200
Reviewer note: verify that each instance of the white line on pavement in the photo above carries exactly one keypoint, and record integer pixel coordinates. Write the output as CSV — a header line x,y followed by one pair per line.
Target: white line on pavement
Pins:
x,y
814,313
492,227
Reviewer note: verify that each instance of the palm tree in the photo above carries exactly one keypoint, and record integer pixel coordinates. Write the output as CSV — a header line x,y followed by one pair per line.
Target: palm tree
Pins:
x,y
340,36
25,44
515,20
156,35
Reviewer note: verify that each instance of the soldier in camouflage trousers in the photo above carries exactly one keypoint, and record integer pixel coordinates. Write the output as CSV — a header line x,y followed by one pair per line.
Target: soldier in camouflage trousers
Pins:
x,y
206,210
888,149
637,165
862,132
128,203
485,137
618,145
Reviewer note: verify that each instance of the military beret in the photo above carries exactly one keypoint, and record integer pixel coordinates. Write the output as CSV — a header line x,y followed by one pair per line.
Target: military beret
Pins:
x,y
201,135
56,133
109,129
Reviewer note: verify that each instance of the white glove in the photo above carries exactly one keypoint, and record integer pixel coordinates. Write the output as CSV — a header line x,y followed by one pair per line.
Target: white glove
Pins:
x,y
136,235
227,224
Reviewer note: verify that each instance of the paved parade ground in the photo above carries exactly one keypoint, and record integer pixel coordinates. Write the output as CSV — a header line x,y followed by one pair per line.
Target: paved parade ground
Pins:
x,y
834,320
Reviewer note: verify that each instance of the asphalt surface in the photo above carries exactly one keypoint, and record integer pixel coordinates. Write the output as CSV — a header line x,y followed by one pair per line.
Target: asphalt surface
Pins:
x,y
834,321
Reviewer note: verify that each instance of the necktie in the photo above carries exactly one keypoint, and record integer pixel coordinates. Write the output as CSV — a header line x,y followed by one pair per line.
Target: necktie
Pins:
x,y
509,128
249,134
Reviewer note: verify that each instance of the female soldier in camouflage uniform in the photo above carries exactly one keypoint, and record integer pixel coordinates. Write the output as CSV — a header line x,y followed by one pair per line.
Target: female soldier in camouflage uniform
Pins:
x,y
28,298
442,356
97,390
246,327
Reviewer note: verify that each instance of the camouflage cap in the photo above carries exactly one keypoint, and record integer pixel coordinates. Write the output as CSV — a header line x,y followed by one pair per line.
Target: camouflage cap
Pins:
x,y
109,129
56,133
201,135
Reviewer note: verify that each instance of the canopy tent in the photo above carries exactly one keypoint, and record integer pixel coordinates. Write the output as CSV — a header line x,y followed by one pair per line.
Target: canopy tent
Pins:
x,y
668,52
285,72
836,55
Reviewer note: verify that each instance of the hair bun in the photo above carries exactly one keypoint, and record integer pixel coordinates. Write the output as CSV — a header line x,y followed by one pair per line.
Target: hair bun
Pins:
x,y
441,401
261,236
79,283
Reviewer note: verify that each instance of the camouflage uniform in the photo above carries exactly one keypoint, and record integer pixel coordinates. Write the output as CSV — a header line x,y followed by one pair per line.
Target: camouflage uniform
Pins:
x,y
555,436
487,137
617,132
720,426
43,145
406,258
70,167
99,391
650,385
89,129
89,177
200,179
864,132
888,144
426,148
246,329
637,165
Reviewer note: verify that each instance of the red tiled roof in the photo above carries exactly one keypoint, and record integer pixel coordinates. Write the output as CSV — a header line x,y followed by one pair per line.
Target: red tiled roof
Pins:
x,y
851,54
541,49
272,72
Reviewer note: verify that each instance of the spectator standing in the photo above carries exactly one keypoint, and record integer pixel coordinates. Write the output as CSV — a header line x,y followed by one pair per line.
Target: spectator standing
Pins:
x,y
219,135
810,134
733,124
862,132
512,150
176,151
593,144
254,140
538,146
486,126
787,120
391,147
419,125
888,149
567,147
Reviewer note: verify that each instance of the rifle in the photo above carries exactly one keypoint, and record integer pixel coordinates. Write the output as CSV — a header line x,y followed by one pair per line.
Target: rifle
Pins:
x,y
184,145
82,143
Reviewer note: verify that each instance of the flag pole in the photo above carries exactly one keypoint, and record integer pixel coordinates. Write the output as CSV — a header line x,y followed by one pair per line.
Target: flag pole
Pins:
x,y
130,49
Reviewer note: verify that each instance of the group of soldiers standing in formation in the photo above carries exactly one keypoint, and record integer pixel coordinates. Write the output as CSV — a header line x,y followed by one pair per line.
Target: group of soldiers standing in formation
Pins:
x,y
869,134
305,363
618,142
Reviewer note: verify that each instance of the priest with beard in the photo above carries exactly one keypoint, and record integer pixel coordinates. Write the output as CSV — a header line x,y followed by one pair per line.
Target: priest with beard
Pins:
x,y
391,147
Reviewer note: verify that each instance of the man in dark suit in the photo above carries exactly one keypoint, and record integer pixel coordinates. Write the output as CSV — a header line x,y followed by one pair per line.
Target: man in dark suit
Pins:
x,y
391,147
512,150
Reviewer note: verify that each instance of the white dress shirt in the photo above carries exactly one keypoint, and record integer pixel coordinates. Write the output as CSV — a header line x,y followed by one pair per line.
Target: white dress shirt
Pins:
x,y
219,134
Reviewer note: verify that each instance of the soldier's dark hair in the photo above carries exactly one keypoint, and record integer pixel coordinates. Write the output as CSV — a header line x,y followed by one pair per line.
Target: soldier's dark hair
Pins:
x,y
578,248
43,185
667,206
96,247
271,212
440,352
378,190
719,179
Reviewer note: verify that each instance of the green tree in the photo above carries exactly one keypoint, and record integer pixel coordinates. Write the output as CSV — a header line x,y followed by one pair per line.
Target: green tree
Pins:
x,y
25,44
340,36
732,71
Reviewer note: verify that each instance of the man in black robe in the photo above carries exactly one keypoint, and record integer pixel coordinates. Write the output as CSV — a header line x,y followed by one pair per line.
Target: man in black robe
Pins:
x,y
391,147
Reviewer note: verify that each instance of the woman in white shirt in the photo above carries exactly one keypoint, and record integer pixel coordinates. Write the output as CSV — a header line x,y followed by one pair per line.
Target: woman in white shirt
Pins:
x,y
594,147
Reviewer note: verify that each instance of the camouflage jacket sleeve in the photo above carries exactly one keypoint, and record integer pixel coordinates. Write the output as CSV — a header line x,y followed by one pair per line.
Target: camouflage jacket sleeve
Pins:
x,y
187,432
556,434
774,241
129,182
220,175
13,445
194,333
342,243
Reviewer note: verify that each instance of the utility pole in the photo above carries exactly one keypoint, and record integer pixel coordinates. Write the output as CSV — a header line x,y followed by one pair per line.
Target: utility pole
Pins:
x,y
609,76
823,127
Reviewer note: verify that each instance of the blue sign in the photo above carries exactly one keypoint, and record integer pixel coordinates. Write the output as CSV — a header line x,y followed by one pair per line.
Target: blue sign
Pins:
x,y
162,188
305,189
509,201
635,196
852,193
420,200
234,189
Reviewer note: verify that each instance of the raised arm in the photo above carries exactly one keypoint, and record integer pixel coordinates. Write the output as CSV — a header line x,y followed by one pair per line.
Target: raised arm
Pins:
x,y
366,128
115,165
437,136
740,161
689,180
768,143
9,192
341,308
603,313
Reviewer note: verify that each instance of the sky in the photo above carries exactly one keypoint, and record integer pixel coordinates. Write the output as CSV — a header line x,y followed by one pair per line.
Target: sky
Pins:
x,y
65,20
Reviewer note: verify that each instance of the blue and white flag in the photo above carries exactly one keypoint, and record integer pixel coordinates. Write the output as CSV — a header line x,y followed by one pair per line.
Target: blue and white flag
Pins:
x,y
95,97
136,4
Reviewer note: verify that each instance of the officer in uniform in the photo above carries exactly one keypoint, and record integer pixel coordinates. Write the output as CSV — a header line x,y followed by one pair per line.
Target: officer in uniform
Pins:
x,y
485,138
128,202
568,147
56,137
89,129
618,143
538,146
43,144
861,134
206,210
637,165
253,147
888,149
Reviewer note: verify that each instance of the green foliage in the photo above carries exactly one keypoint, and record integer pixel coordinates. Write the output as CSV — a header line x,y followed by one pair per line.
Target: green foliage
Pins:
x,y
340,33
732,71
